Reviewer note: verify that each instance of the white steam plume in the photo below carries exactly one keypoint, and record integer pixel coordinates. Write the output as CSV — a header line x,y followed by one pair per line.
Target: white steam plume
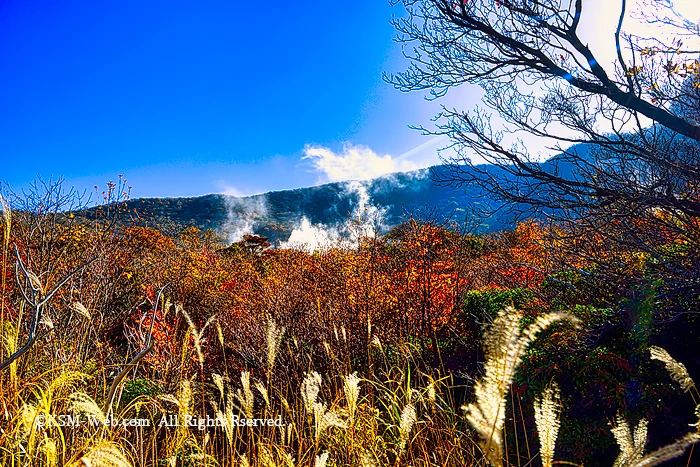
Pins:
x,y
243,214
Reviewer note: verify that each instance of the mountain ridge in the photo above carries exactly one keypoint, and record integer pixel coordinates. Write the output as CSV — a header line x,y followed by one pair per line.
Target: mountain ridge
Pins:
x,y
276,214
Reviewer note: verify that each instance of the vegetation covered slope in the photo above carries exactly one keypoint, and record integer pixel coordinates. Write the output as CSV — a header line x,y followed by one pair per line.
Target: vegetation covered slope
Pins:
x,y
276,214
369,355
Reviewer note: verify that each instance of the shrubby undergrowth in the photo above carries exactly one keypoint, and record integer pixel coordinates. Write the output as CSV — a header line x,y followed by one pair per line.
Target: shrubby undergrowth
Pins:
x,y
404,350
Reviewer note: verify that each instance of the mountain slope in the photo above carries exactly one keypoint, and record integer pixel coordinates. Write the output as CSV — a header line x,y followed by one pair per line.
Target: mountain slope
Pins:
x,y
277,214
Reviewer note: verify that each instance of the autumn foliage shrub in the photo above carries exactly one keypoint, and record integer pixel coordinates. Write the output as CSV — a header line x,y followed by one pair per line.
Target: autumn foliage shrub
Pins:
x,y
406,310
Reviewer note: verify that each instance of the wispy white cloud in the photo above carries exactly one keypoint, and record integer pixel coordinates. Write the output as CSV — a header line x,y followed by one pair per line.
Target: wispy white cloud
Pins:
x,y
353,162
431,143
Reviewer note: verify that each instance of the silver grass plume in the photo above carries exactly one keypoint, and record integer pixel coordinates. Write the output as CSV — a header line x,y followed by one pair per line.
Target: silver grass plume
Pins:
x,y
106,454
668,452
676,369
245,397
351,387
219,382
84,404
220,335
324,419
408,419
274,339
631,447
287,459
547,409
505,344
28,418
431,391
196,333
7,221
49,450
183,400
226,417
80,309
310,388
367,460
265,457
35,282
263,391
321,460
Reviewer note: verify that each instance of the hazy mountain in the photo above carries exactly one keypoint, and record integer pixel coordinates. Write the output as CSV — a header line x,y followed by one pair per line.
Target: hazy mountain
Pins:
x,y
277,214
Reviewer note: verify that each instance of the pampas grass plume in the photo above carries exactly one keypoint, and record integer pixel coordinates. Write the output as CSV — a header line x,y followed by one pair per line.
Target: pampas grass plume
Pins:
x,y
505,344
408,419
246,398
547,409
274,339
351,387
676,369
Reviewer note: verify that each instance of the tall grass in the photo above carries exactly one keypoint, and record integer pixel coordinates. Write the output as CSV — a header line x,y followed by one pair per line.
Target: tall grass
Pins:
x,y
401,412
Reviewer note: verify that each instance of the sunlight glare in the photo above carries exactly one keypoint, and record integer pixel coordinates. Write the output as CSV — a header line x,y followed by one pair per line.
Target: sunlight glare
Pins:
x,y
688,8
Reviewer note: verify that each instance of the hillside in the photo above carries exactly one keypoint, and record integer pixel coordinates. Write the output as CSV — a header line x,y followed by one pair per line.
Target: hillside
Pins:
x,y
276,214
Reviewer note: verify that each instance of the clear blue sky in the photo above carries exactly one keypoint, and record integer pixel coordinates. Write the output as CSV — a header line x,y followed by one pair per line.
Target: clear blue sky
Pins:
x,y
188,98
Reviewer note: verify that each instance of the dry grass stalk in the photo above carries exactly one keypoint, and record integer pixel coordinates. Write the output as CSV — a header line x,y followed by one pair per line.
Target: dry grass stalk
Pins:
x,y
505,344
547,410
676,369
